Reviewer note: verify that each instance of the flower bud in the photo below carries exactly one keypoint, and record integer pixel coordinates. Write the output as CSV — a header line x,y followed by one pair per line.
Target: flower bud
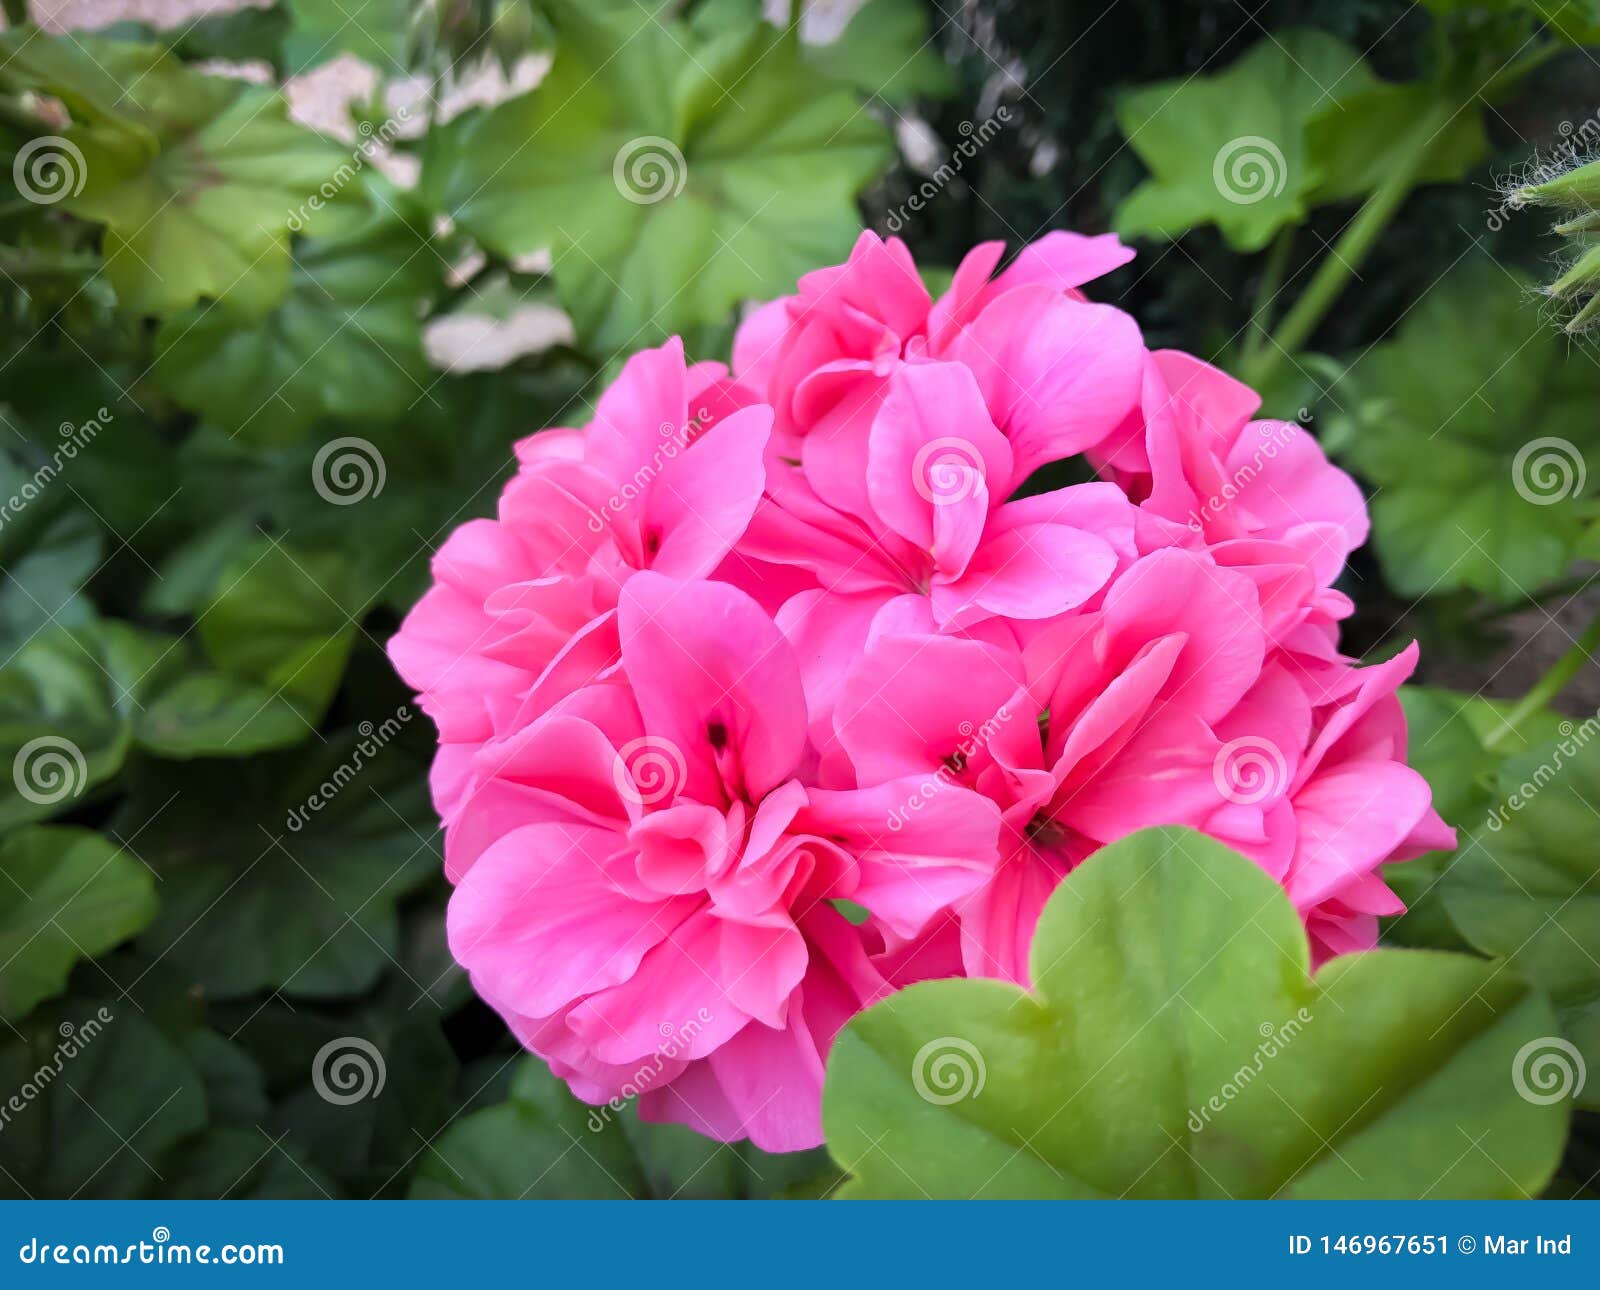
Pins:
x,y
1585,318
1577,190
1582,279
1588,222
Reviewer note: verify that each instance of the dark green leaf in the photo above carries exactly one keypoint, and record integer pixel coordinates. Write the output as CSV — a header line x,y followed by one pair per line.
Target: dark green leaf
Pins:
x,y
282,872
1526,885
68,894
1476,425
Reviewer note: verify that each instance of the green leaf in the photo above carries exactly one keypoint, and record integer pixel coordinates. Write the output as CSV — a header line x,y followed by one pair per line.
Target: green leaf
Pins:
x,y
48,549
376,31
1175,1046
346,342
197,179
1230,149
1476,425
203,714
1447,737
1299,121
69,894
285,618
75,701
119,1094
371,1087
1355,142
245,1164
670,174
67,710
886,52
1526,885
438,468
543,1143
282,872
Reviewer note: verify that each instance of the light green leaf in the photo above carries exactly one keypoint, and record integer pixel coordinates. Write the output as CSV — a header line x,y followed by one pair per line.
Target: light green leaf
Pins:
x,y
1526,885
1230,149
198,179
671,175
885,52
1448,738
204,714
67,709
1355,143
1476,425
1299,121
376,31
1176,1046
542,1143
69,894
48,549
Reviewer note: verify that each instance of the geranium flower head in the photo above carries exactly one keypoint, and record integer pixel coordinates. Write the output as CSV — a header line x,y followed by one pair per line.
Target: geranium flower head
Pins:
x,y
768,692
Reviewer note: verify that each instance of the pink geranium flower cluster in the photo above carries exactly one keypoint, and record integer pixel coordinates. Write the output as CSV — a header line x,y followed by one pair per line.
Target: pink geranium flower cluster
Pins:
x,y
772,690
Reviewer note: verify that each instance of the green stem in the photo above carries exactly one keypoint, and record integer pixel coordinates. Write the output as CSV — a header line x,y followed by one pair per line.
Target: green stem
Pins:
x,y
1359,237
1519,67
1548,686
1267,292
16,12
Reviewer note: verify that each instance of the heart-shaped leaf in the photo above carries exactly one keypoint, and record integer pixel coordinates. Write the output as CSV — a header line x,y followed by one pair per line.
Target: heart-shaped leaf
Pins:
x,y
1176,1046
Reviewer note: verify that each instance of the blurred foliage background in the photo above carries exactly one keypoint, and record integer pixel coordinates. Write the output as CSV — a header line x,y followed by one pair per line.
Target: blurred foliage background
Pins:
x,y
282,286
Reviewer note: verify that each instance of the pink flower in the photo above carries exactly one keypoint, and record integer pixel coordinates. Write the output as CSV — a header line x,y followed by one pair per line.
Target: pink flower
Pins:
x,y
1164,706
646,861
747,651
666,477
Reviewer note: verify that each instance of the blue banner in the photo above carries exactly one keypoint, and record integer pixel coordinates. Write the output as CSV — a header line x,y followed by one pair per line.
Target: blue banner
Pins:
x,y
800,1244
